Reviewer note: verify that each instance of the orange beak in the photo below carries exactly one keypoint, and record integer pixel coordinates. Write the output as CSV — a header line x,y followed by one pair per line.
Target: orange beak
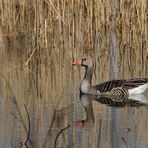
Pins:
x,y
78,63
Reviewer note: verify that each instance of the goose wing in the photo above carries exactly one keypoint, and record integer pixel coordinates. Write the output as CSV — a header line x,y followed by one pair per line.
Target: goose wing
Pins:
x,y
128,84
133,83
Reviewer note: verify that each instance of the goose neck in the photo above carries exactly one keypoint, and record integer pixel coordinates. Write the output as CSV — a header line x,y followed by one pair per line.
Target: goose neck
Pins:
x,y
88,74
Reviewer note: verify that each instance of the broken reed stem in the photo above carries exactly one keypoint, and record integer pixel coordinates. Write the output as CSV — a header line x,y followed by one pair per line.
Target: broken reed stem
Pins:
x,y
125,142
30,57
50,3
29,126
14,100
59,135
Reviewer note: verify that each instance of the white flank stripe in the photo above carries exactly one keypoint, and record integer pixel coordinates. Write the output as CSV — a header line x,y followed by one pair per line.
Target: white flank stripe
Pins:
x,y
139,97
138,90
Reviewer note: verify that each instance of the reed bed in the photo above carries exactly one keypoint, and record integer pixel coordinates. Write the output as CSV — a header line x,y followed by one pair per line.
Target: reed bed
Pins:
x,y
46,31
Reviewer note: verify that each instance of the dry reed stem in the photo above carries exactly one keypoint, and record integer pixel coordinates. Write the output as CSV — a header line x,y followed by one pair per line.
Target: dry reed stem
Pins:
x,y
30,57
60,132
29,127
58,13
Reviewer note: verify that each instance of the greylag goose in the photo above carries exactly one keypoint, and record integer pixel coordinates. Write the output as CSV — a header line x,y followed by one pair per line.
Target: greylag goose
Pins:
x,y
113,87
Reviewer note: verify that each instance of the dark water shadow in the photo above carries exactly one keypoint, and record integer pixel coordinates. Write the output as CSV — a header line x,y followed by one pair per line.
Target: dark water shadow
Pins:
x,y
131,101
112,101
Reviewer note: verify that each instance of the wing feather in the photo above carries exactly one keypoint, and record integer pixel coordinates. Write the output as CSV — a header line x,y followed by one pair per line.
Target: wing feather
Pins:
x,y
128,84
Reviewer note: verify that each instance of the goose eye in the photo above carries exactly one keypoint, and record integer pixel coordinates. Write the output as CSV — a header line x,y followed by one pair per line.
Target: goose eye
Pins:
x,y
83,59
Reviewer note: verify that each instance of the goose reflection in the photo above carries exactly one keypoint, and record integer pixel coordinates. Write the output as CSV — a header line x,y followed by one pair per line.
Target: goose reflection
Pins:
x,y
116,101
86,100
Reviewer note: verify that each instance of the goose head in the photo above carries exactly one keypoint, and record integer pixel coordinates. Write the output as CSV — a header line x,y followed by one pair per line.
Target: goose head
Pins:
x,y
86,62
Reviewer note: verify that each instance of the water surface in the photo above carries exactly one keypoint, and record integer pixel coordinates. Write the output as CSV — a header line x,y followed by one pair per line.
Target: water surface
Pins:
x,y
106,124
